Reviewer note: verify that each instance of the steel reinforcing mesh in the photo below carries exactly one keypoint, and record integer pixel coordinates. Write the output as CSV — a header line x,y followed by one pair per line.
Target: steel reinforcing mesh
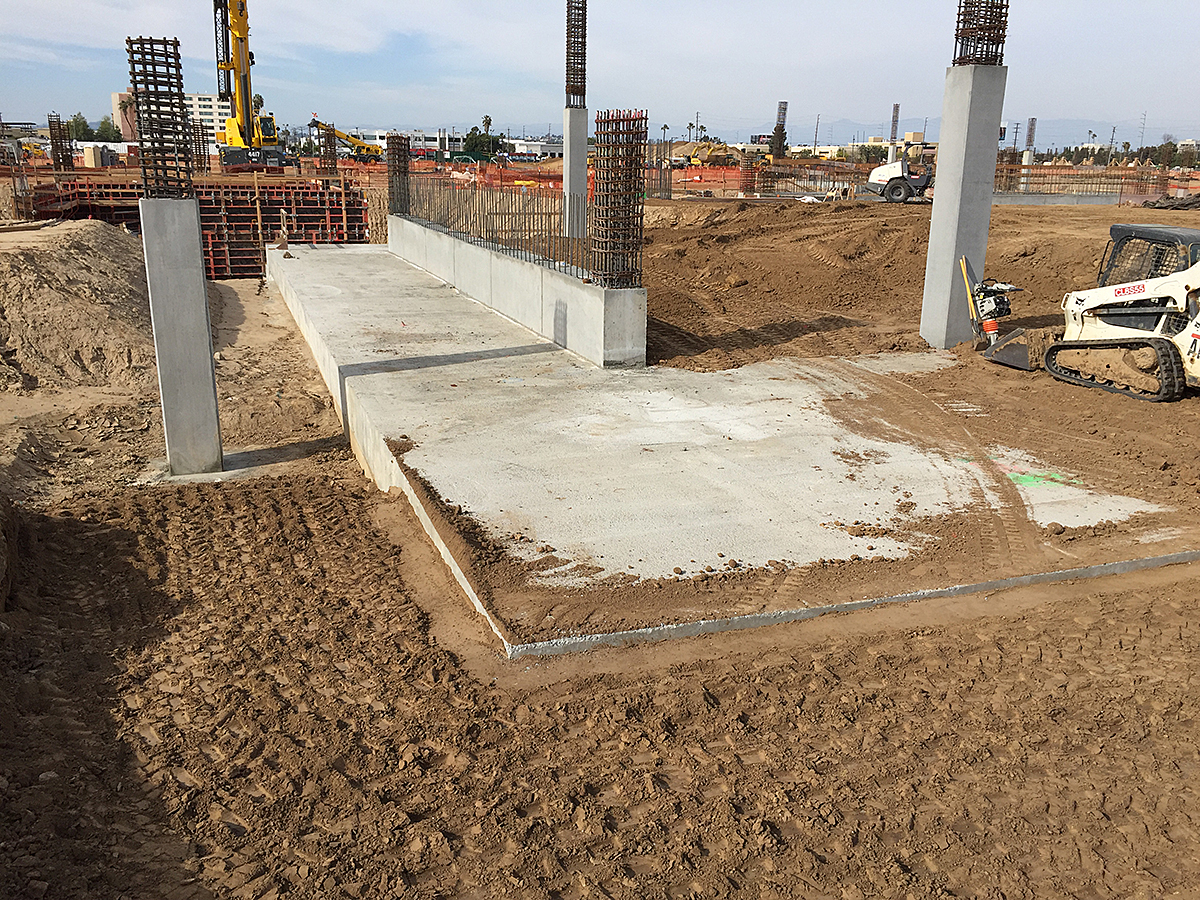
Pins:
x,y
164,128
982,31
617,220
399,151
576,54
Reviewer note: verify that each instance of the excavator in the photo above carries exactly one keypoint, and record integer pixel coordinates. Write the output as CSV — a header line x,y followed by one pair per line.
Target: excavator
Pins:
x,y
249,141
1136,334
363,151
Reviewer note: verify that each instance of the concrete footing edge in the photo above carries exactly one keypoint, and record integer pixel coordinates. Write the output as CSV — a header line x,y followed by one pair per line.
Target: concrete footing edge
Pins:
x,y
370,445
586,642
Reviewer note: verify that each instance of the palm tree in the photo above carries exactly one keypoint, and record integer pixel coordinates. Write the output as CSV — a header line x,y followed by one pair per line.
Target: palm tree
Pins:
x,y
690,127
487,125
703,130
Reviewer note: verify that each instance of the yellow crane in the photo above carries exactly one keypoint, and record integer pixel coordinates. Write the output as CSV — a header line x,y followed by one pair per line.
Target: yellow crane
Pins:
x,y
363,150
249,139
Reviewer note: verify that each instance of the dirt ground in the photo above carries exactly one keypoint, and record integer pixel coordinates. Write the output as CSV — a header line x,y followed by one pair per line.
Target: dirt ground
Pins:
x,y
270,686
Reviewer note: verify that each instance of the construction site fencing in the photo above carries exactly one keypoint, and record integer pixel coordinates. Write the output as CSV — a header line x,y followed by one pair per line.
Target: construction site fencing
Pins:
x,y
823,178
526,222
1122,184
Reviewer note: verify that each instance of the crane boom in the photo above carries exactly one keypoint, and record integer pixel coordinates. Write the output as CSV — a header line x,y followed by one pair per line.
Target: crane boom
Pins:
x,y
363,149
248,138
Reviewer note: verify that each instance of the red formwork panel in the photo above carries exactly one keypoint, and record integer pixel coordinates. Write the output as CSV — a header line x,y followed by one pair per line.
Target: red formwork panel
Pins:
x,y
238,214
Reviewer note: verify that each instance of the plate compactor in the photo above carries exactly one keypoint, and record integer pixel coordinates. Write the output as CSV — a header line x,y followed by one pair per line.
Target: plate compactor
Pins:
x,y
1137,334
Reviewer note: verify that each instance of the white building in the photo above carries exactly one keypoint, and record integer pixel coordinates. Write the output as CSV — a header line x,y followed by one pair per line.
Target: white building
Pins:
x,y
208,111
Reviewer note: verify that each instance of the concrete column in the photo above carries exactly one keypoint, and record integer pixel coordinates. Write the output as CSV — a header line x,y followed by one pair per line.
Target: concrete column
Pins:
x,y
575,186
962,206
182,334
1026,169
892,149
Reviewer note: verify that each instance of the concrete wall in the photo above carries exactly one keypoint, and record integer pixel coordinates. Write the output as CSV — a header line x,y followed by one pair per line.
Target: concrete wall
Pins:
x,y
1020,199
605,327
182,335
962,200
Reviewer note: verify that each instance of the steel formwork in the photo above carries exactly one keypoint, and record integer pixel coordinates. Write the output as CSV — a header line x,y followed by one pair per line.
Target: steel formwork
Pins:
x,y
982,31
576,54
618,207
163,125
238,213
62,152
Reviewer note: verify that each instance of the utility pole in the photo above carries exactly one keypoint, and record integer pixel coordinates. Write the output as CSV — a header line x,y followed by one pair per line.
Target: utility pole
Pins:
x,y
1016,131
697,125
1142,136
1112,143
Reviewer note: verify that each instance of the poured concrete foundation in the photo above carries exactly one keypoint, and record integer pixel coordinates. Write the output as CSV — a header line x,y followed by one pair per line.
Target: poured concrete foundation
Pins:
x,y
605,327
657,473
182,334
962,206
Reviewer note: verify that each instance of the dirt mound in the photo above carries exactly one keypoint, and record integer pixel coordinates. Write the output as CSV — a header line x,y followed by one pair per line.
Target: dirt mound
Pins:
x,y
736,283
74,309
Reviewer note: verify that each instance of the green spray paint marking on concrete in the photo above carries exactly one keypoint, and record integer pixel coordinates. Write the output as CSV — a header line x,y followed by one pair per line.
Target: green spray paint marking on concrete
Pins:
x,y
1039,478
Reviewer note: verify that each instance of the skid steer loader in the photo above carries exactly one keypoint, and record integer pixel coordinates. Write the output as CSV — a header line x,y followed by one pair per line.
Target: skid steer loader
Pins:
x,y
1138,333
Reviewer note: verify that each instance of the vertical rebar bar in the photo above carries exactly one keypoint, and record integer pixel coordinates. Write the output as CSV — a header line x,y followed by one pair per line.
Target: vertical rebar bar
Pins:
x,y
163,125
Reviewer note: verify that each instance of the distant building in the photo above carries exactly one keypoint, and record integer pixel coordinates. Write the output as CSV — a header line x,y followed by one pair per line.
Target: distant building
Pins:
x,y
209,111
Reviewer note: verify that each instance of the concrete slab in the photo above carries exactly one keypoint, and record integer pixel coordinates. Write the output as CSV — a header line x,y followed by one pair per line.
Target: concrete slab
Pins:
x,y
634,472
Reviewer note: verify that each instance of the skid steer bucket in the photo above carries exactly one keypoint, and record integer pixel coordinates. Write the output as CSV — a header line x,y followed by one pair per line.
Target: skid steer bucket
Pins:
x,y
1012,350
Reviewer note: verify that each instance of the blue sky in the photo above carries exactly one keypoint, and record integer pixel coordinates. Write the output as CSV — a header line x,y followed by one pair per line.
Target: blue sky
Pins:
x,y
376,63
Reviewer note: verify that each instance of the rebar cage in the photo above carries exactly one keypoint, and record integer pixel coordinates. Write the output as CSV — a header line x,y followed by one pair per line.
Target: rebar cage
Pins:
x,y
329,157
62,152
576,54
982,31
398,154
201,162
163,125
618,207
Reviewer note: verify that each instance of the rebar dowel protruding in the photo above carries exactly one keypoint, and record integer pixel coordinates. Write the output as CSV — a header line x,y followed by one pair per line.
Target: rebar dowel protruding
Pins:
x,y
576,54
164,128
618,208
982,31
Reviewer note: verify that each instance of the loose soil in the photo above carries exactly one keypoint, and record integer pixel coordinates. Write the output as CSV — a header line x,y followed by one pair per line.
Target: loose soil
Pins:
x,y
270,686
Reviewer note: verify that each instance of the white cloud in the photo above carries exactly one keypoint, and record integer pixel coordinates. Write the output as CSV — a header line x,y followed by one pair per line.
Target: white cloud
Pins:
x,y
731,61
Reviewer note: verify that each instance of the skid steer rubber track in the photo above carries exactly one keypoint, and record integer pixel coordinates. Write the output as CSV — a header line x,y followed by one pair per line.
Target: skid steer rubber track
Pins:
x,y
1171,376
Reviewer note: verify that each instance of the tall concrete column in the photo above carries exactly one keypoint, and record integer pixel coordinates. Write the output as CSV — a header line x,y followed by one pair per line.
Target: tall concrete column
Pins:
x,y
575,123
182,334
575,171
962,207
